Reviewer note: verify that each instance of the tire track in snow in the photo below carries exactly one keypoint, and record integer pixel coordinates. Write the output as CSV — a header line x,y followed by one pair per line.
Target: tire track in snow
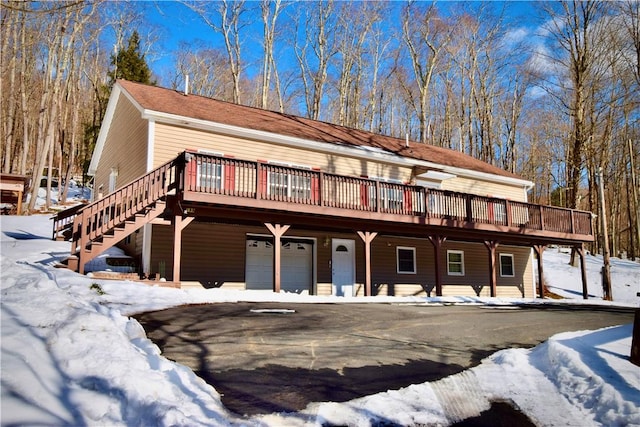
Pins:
x,y
461,396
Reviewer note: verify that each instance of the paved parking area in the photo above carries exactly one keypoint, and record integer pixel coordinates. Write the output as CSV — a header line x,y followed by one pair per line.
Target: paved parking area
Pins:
x,y
268,357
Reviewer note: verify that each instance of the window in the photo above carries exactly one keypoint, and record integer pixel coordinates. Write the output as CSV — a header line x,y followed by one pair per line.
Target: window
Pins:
x,y
113,178
287,183
497,212
406,260
210,175
300,187
455,263
434,204
506,265
392,198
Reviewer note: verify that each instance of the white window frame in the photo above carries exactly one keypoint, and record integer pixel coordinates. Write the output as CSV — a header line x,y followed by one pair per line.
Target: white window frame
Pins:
x,y
113,180
216,178
405,248
287,185
449,262
392,198
513,265
499,212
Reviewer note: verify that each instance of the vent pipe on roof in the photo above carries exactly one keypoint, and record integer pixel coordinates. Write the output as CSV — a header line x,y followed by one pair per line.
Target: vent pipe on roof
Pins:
x,y
406,139
186,85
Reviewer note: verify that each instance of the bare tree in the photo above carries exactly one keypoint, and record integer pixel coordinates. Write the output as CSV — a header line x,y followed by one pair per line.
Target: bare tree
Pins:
x,y
425,35
574,34
314,51
228,22
270,13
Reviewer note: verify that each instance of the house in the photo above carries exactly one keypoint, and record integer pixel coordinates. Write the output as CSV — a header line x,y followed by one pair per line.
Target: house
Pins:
x,y
233,196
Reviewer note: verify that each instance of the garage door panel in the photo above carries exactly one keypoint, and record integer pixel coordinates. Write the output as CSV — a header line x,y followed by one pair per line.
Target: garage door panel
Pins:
x,y
296,265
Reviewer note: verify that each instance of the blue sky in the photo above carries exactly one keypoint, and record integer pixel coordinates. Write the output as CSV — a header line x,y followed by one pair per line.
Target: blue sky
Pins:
x,y
171,23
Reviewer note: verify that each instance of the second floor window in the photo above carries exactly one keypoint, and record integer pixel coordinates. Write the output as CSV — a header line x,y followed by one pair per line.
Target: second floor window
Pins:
x,y
391,198
210,176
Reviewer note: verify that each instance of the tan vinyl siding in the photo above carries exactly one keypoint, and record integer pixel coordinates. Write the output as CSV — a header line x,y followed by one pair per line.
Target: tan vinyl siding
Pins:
x,y
126,149
172,140
484,188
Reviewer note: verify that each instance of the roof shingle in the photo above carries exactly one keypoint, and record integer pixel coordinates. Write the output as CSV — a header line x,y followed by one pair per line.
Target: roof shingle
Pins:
x,y
198,107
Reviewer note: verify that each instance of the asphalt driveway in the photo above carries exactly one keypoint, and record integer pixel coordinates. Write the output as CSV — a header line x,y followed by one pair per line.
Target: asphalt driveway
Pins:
x,y
269,357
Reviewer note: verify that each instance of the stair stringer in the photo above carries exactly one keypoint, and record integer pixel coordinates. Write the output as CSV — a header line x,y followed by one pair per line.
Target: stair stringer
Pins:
x,y
120,232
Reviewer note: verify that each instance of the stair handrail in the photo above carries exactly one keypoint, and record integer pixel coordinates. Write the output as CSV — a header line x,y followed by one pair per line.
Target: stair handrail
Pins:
x,y
63,220
104,214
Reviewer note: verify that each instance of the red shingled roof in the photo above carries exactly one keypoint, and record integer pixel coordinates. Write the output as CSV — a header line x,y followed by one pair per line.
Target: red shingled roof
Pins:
x,y
198,107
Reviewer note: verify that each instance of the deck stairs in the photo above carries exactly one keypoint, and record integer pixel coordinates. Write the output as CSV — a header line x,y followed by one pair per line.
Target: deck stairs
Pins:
x,y
103,223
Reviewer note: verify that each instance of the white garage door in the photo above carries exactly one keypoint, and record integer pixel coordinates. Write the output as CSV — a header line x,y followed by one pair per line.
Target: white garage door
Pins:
x,y
296,264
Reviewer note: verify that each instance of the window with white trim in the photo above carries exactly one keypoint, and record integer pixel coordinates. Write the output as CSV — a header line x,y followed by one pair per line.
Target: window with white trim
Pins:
x,y
286,184
455,263
507,268
406,260
499,213
391,198
113,179
210,176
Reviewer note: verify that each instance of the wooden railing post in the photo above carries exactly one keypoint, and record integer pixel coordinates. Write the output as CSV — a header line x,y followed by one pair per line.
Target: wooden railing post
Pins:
x,y
378,196
320,188
572,224
259,180
469,207
507,209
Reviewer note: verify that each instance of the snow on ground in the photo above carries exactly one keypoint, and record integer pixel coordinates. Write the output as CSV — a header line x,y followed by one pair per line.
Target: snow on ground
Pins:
x,y
71,356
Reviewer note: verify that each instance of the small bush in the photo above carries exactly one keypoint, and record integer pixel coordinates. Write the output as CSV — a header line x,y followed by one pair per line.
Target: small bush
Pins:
x,y
96,287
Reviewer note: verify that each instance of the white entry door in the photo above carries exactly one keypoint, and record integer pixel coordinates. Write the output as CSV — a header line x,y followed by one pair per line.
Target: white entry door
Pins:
x,y
343,262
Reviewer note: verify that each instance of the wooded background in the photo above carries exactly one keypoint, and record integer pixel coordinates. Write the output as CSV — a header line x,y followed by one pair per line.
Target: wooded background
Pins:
x,y
551,102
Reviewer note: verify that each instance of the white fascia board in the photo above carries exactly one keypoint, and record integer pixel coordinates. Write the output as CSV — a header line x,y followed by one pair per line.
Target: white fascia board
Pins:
x,y
116,91
104,129
151,138
326,147
434,175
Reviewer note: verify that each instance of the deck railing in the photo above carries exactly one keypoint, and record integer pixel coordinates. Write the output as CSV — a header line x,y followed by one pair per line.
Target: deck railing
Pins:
x,y
63,220
266,181
101,216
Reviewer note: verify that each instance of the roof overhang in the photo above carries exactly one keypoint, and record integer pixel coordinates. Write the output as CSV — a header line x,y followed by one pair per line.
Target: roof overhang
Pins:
x,y
351,151
289,141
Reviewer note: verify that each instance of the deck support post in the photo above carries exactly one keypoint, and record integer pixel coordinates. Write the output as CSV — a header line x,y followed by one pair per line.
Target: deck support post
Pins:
x,y
539,249
277,230
493,276
179,224
583,269
367,237
437,242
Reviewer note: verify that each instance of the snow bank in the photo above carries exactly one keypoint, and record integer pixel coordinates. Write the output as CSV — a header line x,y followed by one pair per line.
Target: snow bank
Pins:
x,y
70,355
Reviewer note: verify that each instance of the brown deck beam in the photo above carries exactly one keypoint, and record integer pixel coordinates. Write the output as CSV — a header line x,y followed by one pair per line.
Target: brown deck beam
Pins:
x,y
367,237
278,231
583,270
437,242
539,249
179,224
493,276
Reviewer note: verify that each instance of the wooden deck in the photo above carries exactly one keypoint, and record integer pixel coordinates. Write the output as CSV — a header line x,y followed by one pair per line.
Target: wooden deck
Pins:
x,y
218,186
